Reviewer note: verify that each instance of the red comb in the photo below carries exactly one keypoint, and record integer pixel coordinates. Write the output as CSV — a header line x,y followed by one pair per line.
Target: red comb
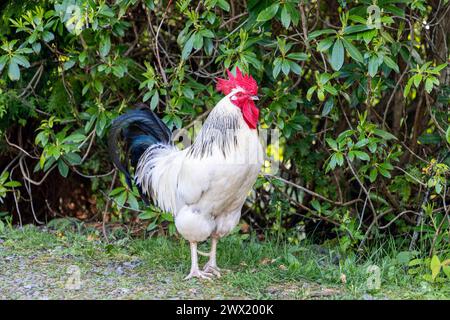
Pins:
x,y
245,82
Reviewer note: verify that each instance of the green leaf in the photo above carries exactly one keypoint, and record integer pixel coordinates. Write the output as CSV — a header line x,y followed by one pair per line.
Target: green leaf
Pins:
x,y
68,64
325,44
12,184
299,56
198,41
435,266
337,55
391,64
407,87
373,66
147,215
75,137
361,155
13,71
327,107
353,51
268,13
373,175
384,134
295,67
116,191
320,94
73,158
63,168
120,200
105,45
403,257
21,60
187,49
224,5
355,28
330,89
447,135
132,201
155,100
339,158
361,143
417,79
285,67
47,36
285,17
333,162
384,172
276,68
332,143
3,61
317,33
428,85
446,270
310,92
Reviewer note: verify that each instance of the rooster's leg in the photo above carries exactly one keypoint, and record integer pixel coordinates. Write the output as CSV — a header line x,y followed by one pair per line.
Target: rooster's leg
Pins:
x,y
195,272
211,265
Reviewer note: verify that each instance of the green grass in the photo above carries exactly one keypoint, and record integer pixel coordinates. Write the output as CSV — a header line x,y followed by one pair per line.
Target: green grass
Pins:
x,y
256,270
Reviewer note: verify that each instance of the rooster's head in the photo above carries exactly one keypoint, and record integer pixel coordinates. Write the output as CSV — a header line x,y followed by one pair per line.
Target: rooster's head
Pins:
x,y
242,91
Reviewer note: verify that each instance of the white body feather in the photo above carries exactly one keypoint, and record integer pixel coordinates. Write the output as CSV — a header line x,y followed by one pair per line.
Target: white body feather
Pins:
x,y
205,185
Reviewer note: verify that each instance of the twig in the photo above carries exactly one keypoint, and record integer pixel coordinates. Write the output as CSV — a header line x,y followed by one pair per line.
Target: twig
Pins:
x,y
312,192
105,212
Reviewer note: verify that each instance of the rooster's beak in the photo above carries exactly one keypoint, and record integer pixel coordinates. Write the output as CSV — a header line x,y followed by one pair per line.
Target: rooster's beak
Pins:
x,y
254,97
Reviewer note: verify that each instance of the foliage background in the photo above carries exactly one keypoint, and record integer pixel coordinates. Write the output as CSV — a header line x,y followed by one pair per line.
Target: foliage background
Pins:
x,y
358,89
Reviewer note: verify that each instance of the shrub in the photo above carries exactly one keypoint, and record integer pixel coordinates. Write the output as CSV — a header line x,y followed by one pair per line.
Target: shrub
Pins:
x,y
358,91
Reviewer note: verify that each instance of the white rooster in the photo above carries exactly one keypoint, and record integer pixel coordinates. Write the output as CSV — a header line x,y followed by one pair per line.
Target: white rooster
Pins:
x,y
205,185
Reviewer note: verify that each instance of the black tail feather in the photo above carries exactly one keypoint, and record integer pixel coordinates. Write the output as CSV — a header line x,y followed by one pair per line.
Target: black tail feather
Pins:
x,y
140,129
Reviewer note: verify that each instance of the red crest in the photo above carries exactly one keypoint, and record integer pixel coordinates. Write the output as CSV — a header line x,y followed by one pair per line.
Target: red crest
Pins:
x,y
245,82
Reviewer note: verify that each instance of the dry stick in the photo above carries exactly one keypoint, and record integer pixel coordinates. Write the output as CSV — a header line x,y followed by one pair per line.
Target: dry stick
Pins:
x,y
312,192
386,110
19,148
308,209
35,80
375,218
26,177
362,186
16,202
10,164
371,226
233,19
89,146
107,206
92,176
30,195
158,58
396,217
411,176
304,24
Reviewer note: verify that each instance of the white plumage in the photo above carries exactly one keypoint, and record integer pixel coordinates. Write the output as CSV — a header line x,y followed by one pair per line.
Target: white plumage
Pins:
x,y
207,190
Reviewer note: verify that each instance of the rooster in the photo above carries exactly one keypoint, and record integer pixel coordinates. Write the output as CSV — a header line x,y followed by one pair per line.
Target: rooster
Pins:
x,y
204,185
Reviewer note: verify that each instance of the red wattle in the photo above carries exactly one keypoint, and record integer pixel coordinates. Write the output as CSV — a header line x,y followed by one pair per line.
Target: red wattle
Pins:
x,y
250,112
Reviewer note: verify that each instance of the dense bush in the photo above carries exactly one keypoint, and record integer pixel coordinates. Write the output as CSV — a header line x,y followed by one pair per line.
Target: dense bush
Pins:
x,y
358,89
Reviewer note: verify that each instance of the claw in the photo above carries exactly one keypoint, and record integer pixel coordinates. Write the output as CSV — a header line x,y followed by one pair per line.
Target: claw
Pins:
x,y
212,270
199,274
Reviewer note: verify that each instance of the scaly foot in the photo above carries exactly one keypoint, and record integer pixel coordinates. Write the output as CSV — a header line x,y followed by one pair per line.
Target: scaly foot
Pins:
x,y
212,270
199,274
